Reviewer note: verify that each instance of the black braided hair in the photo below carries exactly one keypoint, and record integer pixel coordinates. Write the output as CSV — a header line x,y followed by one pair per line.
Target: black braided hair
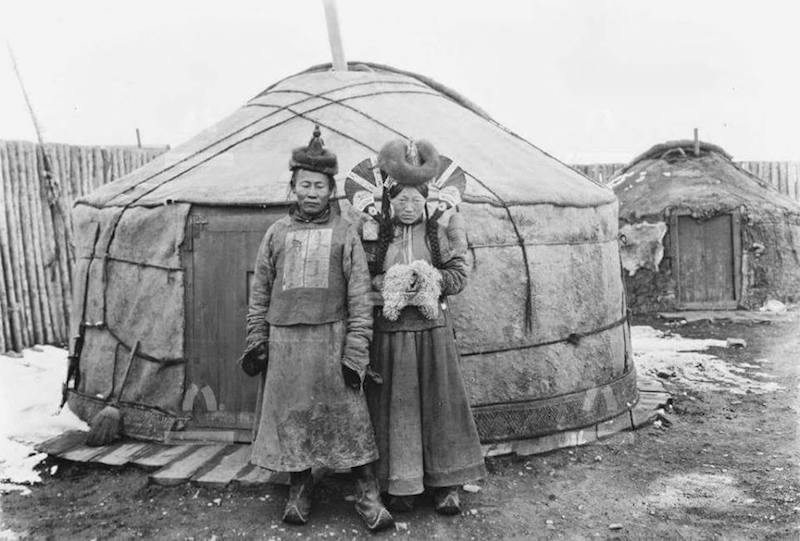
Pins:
x,y
385,234
432,236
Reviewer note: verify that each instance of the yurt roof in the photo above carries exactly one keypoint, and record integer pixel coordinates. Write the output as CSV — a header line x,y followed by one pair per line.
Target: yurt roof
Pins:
x,y
243,159
670,175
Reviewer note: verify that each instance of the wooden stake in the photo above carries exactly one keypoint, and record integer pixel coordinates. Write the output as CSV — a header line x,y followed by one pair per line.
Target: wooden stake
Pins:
x,y
24,93
138,139
97,158
334,36
52,254
696,142
29,242
38,180
6,241
5,314
21,276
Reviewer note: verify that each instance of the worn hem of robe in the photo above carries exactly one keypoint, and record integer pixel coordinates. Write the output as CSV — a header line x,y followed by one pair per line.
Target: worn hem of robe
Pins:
x,y
309,417
423,422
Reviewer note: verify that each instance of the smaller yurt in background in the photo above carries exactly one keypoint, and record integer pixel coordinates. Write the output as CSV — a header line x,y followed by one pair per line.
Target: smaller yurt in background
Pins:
x,y
699,232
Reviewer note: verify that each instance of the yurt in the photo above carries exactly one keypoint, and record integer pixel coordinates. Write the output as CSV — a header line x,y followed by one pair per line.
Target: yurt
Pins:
x,y
165,257
699,232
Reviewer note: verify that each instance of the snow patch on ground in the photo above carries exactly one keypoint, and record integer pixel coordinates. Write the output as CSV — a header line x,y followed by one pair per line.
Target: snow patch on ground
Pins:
x,y
30,392
687,358
715,492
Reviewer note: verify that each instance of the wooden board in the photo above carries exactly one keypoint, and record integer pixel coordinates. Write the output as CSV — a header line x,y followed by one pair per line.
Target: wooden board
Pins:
x,y
224,244
182,470
227,469
157,456
121,454
706,261
551,442
83,453
210,436
63,442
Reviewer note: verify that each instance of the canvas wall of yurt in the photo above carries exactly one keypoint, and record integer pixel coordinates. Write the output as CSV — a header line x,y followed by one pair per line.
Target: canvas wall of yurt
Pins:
x,y
166,257
699,232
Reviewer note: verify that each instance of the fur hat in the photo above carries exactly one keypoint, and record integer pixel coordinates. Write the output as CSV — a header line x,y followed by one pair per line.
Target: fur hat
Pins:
x,y
314,157
409,164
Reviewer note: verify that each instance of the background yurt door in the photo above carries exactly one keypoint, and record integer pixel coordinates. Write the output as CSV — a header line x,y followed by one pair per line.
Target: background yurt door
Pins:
x,y
708,255
219,257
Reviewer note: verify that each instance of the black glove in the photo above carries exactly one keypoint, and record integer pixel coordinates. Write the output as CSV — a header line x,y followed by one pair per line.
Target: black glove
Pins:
x,y
351,377
255,359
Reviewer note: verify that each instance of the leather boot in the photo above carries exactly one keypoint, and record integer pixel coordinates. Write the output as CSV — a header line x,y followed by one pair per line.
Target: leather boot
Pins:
x,y
446,501
298,506
368,500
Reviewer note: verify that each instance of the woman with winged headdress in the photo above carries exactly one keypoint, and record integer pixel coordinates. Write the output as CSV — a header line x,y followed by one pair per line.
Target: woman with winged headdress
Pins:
x,y
416,245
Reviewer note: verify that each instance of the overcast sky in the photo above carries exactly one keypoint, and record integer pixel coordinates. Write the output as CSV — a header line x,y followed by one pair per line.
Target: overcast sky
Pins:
x,y
588,81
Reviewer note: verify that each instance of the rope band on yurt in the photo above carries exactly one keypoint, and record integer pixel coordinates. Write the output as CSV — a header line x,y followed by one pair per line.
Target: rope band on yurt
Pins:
x,y
167,361
572,338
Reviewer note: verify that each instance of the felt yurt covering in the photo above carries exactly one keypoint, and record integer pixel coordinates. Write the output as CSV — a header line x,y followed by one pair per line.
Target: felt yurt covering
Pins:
x,y
700,232
541,326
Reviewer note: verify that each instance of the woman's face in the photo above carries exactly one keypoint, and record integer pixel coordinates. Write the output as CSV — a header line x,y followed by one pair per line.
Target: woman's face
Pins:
x,y
408,205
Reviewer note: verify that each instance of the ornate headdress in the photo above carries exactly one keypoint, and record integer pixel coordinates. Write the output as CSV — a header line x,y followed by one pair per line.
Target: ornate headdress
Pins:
x,y
408,163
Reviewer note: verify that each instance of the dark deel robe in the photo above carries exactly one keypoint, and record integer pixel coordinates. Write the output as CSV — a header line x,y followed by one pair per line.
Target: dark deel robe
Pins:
x,y
309,299
422,418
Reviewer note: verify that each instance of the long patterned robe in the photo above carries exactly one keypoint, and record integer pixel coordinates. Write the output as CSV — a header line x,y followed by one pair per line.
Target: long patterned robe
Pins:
x,y
423,422
309,300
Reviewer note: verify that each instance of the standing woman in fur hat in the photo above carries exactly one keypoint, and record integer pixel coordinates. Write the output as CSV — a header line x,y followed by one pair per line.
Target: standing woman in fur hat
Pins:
x,y
423,422
309,326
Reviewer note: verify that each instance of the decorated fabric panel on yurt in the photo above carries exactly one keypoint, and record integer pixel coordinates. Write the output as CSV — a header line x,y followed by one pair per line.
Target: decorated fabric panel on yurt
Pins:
x,y
701,232
541,325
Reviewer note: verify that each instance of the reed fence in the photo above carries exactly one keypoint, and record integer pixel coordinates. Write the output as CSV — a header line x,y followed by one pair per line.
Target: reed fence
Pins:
x,y
784,176
36,251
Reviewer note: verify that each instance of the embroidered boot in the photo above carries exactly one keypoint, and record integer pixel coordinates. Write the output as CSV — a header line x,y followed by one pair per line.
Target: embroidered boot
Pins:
x,y
446,501
298,506
368,500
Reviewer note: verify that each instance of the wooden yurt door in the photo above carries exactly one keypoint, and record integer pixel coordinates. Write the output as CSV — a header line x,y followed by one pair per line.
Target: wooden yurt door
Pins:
x,y
220,253
708,255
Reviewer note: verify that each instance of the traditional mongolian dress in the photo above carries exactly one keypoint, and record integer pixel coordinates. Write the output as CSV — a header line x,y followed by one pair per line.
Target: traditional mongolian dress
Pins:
x,y
309,301
424,427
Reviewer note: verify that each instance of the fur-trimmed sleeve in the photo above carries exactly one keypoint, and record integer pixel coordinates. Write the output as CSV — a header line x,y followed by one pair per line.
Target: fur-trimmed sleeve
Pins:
x,y
263,278
359,309
454,266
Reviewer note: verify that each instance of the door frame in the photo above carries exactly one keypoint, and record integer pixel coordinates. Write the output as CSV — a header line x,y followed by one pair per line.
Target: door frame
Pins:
x,y
736,234
238,425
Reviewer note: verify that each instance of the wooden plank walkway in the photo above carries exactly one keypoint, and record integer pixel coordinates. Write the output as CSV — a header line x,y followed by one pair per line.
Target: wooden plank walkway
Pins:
x,y
223,462
178,471
227,469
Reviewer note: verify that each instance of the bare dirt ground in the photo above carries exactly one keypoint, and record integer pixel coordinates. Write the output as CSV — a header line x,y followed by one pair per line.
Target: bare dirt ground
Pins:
x,y
727,468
